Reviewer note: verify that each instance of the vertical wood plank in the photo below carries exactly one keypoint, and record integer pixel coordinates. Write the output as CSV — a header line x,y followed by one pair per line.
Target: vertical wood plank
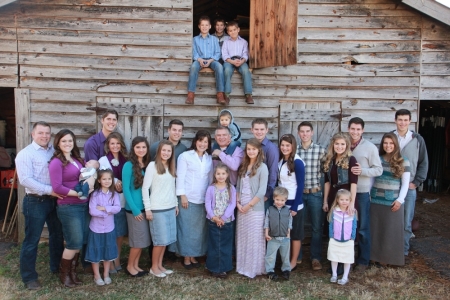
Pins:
x,y
22,104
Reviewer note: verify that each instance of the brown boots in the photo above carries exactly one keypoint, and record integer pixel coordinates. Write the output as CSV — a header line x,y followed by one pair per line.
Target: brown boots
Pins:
x,y
67,271
221,98
190,98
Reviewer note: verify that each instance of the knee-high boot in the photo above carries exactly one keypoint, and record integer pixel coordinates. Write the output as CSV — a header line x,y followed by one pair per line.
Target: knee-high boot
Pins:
x,y
73,269
64,272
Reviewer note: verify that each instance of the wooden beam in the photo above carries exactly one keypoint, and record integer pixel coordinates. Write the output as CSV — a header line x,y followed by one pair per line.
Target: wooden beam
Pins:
x,y
432,8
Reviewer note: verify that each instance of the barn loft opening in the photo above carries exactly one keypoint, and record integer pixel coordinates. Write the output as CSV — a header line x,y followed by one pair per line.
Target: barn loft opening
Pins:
x,y
434,126
229,10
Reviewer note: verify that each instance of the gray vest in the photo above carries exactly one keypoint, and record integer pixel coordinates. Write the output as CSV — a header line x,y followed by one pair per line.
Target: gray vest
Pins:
x,y
278,221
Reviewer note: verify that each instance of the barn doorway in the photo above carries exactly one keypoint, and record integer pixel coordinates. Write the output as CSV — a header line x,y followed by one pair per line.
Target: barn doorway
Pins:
x,y
434,126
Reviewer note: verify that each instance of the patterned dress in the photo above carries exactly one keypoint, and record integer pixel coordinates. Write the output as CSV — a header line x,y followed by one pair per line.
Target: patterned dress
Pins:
x,y
250,241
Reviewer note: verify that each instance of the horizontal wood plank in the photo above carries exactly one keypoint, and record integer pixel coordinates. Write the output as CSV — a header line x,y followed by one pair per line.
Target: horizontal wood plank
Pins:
x,y
361,58
125,3
8,58
128,63
102,37
358,22
106,50
113,25
342,34
8,81
62,95
75,107
354,10
357,46
378,105
436,57
435,93
8,70
435,69
436,46
8,46
369,116
435,81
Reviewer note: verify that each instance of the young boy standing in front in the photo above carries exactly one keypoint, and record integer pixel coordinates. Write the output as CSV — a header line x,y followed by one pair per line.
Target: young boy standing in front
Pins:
x,y
277,227
206,54
235,56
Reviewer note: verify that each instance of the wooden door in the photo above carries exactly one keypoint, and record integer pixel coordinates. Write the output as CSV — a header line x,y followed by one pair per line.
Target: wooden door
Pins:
x,y
137,117
324,116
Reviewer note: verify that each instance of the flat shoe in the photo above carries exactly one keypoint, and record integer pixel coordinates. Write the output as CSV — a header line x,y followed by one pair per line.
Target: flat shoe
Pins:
x,y
107,280
168,272
333,279
342,281
187,267
160,275
196,264
99,281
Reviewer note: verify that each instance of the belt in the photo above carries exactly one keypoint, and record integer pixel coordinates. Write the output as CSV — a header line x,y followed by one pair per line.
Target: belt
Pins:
x,y
311,191
41,196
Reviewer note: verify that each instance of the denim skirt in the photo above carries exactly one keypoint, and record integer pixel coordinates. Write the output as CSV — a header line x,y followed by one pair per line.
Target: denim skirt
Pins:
x,y
220,247
191,231
101,247
120,223
138,232
163,227
75,224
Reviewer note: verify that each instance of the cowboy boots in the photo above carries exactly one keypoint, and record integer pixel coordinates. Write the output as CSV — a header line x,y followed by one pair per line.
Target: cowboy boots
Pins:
x,y
64,273
73,270
190,98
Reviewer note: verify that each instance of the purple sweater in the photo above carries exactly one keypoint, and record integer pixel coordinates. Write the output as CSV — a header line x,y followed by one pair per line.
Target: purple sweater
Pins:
x,y
64,179
342,226
210,203
103,221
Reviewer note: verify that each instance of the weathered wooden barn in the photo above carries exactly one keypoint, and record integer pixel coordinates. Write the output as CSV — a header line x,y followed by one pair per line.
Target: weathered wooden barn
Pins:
x,y
319,60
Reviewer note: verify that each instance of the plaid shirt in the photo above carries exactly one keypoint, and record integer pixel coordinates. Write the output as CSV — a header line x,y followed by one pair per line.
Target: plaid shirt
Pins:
x,y
312,158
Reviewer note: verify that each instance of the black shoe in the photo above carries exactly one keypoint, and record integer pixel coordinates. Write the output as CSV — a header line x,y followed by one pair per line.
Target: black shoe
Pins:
x,y
187,267
272,276
286,275
196,264
33,285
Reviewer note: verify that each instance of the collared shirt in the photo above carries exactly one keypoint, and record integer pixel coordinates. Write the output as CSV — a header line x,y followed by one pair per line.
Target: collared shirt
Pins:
x,y
205,47
403,140
194,175
271,158
94,148
232,161
353,146
32,168
231,48
102,221
312,158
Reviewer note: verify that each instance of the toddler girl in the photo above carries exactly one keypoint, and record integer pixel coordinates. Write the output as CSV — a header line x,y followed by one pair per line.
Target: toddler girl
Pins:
x,y
104,203
220,202
342,235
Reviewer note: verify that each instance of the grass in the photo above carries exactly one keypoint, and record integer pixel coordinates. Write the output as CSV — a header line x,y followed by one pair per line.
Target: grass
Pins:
x,y
391,283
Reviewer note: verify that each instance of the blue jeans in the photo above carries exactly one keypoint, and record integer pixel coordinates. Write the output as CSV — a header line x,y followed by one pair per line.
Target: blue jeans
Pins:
x,y
83,187
271,254
193,75
313,208
410,204
363,208
228,70
37,211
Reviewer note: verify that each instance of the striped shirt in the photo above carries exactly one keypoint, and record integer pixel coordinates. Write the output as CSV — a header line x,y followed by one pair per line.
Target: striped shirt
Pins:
x,y
32,169
205,47
312,158
231,48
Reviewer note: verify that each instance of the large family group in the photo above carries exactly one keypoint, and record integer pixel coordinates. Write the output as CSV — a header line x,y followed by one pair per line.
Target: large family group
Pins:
x,y
166,195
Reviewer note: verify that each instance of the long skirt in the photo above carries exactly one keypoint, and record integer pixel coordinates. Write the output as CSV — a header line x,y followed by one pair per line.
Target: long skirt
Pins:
x,y
220,247
343,252
191,231
386,233
250,244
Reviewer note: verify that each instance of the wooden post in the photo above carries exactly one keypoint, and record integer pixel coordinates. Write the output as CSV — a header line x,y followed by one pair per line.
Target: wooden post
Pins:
x,y
22,104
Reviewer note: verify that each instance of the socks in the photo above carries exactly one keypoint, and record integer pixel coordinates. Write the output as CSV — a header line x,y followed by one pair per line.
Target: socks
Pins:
x,y
346,271
334,265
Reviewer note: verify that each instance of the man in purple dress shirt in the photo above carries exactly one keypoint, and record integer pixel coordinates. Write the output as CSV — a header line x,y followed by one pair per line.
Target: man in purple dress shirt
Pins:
x,y
260,128
39,205
235,56
220,153
94,148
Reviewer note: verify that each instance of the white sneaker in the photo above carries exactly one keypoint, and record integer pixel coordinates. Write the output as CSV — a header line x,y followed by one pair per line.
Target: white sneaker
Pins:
x,y
342,281
108,280
333,279
99,281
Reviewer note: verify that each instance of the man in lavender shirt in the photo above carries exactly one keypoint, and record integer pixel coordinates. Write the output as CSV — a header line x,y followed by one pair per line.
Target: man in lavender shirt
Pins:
x,y
39,205
260,128
221,152
235,56
94,148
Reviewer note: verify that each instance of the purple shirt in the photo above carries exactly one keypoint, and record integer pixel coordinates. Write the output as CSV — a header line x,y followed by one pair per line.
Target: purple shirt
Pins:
x,y
64,179
231,48
103,221
232,162
94,148
271,160
210,203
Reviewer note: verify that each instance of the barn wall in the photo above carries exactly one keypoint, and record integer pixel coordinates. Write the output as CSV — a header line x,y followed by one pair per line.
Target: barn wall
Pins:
x,y
8,47
364,55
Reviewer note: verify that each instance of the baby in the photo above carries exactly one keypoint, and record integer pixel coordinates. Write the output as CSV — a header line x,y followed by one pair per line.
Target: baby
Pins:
x,y
226,119
87,179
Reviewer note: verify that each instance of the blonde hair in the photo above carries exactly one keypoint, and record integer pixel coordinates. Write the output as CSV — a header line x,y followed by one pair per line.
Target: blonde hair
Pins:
x,y
280,191
341,192
343,161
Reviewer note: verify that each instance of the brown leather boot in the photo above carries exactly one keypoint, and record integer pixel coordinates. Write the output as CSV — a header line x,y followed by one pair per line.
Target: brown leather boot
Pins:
x,y
64,273
73,270
190,98
249,99
221,98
